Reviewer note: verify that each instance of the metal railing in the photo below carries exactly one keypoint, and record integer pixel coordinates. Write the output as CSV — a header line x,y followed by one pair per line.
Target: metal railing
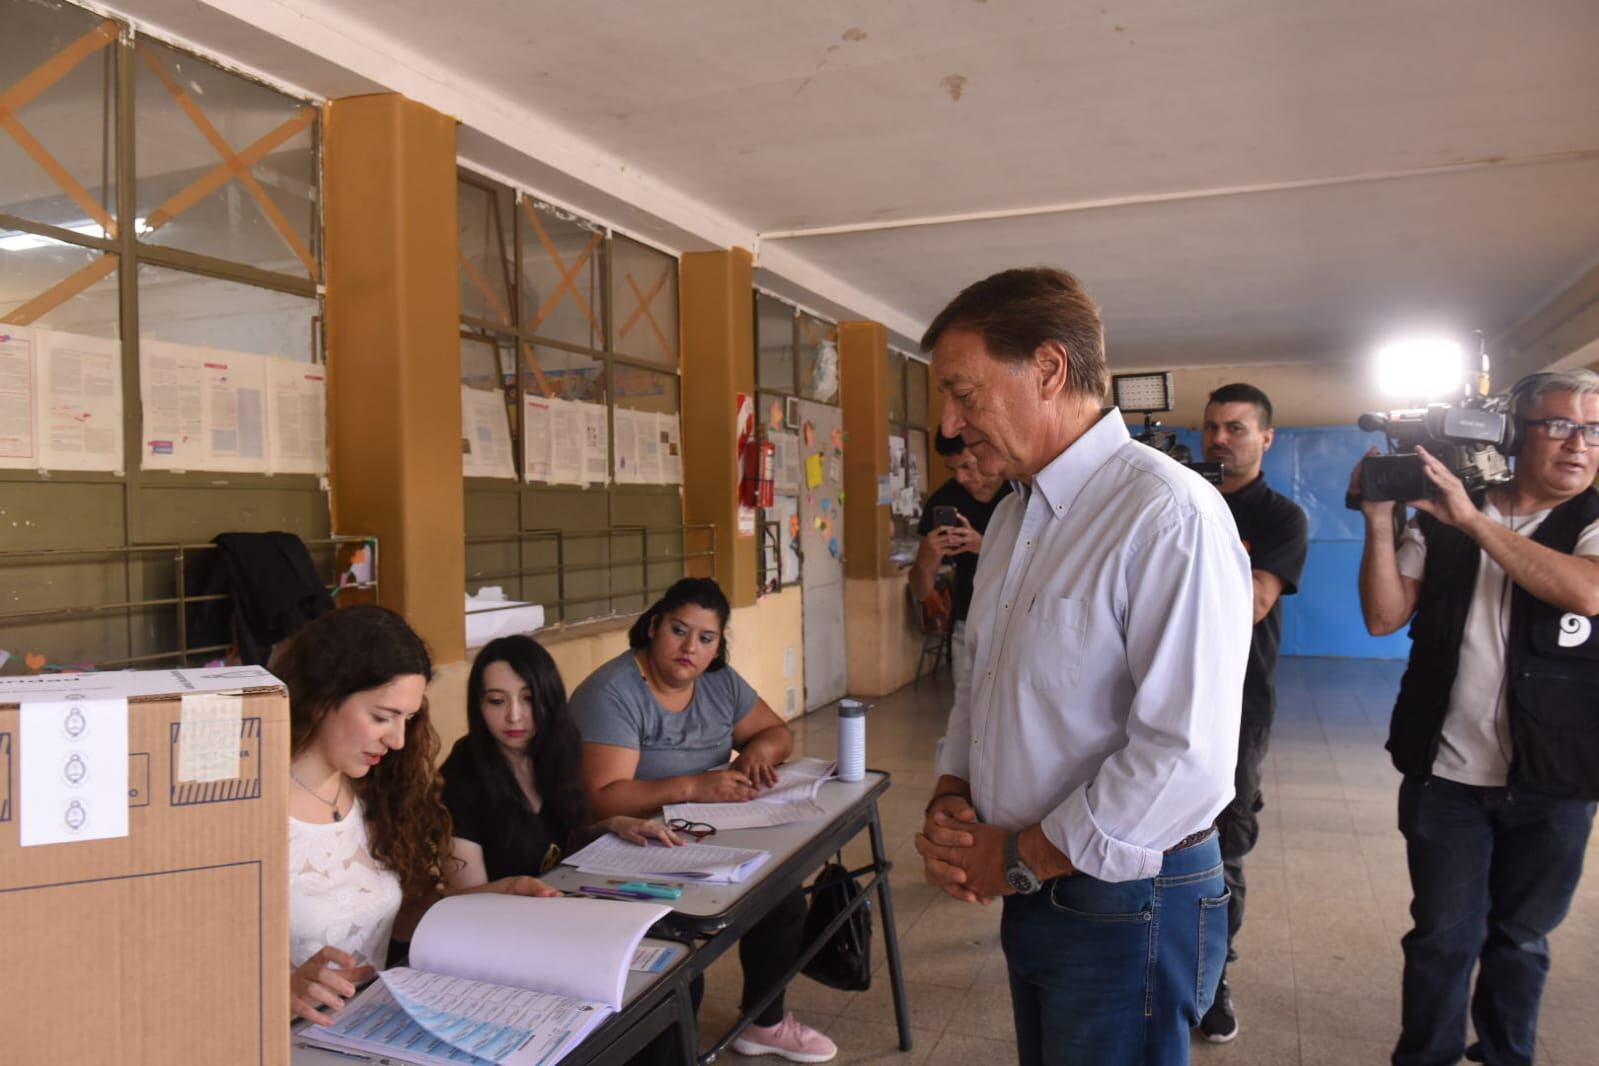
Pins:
x,y
139,562
549,556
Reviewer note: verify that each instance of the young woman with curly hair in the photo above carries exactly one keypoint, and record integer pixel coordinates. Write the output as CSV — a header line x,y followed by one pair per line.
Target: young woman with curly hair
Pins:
x,y
369,836
512,785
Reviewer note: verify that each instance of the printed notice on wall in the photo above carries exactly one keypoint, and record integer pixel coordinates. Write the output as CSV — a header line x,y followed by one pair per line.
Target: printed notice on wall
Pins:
x,y
568,426
671,440
235,411
596,444
74,771
60,401
19,426
538,427
485,434
206,409
298,430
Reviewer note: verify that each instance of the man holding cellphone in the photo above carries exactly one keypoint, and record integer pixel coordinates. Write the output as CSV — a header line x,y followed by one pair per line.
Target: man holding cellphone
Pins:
x,y
952,527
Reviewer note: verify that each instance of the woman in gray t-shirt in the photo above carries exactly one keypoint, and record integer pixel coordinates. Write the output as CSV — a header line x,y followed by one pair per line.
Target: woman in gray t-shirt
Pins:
x,y
659,723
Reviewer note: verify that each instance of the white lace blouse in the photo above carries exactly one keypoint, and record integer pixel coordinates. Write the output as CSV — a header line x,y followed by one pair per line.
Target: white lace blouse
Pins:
x,y
338,894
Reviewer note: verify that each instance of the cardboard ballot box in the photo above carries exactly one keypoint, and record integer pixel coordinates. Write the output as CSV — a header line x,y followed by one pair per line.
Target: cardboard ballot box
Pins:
x,y
154,930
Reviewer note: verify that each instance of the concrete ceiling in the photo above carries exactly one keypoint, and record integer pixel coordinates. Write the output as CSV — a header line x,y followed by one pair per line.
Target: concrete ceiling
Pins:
x,y
1238,181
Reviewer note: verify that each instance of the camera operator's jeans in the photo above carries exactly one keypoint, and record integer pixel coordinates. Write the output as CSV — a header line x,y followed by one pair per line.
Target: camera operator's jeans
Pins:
x,y
1492,875
1106,974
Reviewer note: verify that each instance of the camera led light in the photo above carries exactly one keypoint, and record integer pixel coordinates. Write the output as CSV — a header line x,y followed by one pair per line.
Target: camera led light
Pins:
x,y
1421,368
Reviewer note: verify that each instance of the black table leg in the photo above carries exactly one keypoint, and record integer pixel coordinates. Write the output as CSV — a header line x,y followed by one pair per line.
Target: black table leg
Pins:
x,y
896,975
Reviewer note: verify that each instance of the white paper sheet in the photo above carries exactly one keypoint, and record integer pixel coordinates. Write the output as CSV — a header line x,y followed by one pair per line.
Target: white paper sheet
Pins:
x,y
172,390
566,946
80,401
624,426
672,449
610,854
568,427
297,430
485,434
235,411
785,462
19,428
792,799
74,771
596,444
652,450
537,434
208,736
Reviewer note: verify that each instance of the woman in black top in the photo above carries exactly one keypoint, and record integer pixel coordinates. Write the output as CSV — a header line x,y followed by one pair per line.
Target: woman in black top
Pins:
x,y
512,783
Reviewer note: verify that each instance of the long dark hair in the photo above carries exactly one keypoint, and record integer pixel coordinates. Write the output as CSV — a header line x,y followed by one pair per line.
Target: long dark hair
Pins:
x,y
555,750
356,649
687,592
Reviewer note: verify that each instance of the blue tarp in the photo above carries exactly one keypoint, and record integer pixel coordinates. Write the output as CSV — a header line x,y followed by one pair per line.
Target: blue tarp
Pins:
x,y
1310,465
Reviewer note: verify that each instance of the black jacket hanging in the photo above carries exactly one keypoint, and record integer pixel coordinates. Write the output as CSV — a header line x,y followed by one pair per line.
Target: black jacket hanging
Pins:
x,y
272,587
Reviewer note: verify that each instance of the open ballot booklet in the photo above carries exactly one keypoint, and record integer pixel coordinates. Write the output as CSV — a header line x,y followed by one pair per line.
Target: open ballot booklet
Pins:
x,y
792,799
496,979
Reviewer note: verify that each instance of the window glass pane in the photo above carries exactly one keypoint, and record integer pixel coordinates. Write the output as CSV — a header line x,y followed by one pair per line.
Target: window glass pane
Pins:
x,y
916,392
485,264
818,359
480,362
557,372
896,388
231,316
57,286
774,344
644,302
194,124
561,292
58,163
645,390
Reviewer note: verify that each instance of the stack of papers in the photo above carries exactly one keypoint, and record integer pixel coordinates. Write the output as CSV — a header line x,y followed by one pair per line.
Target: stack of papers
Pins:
x,y
792,799
497,979
610,854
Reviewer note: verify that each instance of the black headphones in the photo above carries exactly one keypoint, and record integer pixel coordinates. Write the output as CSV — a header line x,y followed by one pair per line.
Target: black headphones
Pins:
x,y
1520,395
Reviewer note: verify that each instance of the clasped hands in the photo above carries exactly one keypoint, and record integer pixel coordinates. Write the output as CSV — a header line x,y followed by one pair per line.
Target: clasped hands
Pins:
x,y
961,855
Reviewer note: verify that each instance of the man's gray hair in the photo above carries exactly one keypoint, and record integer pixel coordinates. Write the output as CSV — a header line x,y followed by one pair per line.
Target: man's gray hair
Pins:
x,y
1580,380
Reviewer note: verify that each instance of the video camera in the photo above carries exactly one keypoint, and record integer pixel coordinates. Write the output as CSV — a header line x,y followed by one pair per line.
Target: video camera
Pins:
x,y
1147,394
1470,438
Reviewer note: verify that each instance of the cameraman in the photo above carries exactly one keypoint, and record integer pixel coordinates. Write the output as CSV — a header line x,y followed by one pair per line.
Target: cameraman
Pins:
x,y
1496,727
1237,433
974,496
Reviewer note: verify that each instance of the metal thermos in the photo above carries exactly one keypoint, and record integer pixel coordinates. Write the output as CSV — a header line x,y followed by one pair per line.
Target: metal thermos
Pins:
x,y
852,739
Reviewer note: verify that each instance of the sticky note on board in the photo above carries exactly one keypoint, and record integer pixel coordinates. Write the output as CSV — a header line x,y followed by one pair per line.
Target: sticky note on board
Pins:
x,y
74,771
813,470
208,737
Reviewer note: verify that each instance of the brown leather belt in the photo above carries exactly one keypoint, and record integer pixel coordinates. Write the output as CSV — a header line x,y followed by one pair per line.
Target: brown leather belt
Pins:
x,y
1190,840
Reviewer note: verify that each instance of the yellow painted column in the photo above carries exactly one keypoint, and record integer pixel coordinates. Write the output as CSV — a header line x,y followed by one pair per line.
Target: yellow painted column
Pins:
x,y
863,388
882,644
393,319
718,317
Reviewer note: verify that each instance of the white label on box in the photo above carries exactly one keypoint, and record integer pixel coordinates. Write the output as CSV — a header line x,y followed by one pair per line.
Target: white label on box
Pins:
x,y
74,770
208,737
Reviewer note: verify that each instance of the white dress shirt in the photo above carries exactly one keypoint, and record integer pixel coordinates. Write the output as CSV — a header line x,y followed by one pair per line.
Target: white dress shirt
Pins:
x,y
1107,640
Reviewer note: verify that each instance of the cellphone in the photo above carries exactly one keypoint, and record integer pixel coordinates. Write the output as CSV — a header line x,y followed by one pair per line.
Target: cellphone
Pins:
x,y
944,516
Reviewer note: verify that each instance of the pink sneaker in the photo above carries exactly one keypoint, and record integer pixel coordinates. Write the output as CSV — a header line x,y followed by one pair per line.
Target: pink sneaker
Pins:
x,y
788,1038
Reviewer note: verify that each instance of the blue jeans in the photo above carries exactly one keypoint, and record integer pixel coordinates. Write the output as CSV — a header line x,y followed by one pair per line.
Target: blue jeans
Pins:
x,y
1106,974
1492,874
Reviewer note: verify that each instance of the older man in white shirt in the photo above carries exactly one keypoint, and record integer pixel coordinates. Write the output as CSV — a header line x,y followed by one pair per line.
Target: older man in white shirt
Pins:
x,y
1093,738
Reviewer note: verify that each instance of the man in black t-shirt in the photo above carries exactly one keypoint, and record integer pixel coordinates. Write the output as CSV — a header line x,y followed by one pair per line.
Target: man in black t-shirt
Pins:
x,y
974,497
1237,433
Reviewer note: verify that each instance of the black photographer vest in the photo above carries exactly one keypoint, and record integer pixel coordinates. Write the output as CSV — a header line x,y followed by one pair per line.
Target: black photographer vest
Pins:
x,y
1552,658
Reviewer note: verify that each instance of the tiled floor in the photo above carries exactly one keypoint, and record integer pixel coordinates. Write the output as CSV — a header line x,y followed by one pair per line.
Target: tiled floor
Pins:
x,y
1318,977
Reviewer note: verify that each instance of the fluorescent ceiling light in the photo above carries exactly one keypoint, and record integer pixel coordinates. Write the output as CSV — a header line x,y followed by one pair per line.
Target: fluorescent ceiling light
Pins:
x,y
21,242
1421,368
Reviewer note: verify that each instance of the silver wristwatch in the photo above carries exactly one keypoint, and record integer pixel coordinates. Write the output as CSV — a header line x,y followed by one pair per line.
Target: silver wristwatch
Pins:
x,y
1018,874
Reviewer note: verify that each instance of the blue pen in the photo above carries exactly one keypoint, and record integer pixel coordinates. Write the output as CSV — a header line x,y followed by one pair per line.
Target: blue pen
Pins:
x,y
617,893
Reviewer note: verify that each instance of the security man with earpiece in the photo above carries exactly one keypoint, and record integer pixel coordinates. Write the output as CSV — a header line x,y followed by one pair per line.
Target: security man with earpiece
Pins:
x,y
1496,727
